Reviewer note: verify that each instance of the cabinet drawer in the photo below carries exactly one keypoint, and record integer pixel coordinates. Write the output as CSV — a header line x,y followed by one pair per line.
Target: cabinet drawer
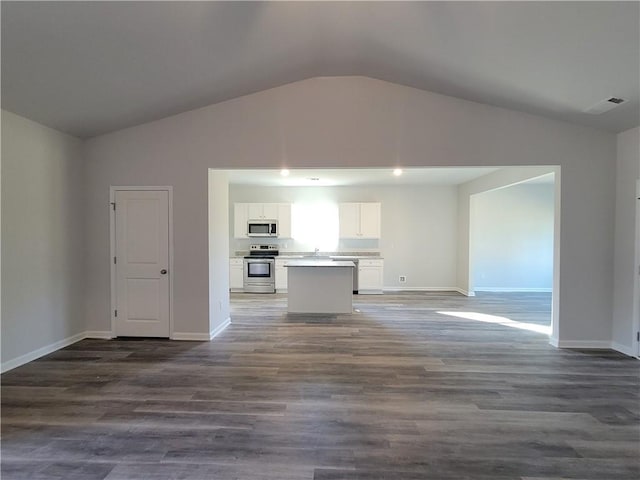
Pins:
x,y
370,263
236,261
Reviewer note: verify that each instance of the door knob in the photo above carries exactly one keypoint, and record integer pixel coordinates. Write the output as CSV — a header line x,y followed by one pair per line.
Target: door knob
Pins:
x,y
163,271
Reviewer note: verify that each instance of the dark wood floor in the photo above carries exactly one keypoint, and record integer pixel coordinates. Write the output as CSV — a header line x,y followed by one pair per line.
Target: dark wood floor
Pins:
x,y
395,391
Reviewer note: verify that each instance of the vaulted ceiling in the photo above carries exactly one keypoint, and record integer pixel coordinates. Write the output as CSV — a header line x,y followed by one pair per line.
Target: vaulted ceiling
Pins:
x,y
87,68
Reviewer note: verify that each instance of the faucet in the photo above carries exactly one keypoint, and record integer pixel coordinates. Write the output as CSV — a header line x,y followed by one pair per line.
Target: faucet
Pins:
x,y
317,251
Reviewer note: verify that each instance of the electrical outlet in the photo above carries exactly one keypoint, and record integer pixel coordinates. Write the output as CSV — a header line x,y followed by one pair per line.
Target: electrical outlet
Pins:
x,y
402,279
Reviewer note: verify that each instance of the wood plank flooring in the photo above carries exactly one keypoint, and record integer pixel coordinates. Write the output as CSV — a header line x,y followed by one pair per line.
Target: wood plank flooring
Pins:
x,y
395,391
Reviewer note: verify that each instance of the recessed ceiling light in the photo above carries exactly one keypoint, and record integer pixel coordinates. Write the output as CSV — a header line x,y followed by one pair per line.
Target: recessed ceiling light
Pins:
x,y
397,172
284,172
314,179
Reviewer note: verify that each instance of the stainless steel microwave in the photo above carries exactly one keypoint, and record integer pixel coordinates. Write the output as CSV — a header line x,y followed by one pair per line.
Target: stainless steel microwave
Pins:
x,y
262,228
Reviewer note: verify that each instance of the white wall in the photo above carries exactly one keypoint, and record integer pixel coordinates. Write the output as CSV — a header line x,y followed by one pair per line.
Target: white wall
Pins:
x,y
42,240
511,238
419,228
219,311
625,280
354,122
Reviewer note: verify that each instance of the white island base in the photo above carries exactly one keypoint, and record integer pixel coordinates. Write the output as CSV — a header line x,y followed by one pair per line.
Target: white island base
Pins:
x,y
320,286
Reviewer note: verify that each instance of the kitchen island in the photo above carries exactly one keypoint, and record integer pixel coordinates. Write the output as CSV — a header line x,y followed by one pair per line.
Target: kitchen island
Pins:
x,y
320,286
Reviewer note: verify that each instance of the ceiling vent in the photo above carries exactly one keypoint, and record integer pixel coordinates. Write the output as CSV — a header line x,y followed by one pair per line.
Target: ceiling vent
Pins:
x,y
604,105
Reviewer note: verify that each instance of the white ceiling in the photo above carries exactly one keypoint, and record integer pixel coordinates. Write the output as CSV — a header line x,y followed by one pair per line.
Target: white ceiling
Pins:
x,y
355,176
87,68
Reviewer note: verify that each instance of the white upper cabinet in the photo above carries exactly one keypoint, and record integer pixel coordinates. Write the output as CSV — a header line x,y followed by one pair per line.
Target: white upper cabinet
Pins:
x,y
263,211
243,212
349,218
360,220
240,219
255,211
284,220
370,220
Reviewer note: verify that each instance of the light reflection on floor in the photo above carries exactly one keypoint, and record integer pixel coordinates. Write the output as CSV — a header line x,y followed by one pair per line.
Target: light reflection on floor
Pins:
x,y
507,322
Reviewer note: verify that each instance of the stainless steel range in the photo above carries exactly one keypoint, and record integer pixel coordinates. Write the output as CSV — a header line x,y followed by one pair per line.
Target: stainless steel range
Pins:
x,y
260,269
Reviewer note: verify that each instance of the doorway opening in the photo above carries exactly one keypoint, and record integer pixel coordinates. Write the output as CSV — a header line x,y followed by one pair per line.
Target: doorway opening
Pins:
x,y
435,201
511,247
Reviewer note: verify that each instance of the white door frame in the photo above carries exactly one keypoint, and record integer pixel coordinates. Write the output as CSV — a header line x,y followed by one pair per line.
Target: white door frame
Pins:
x,y
635,341
112,248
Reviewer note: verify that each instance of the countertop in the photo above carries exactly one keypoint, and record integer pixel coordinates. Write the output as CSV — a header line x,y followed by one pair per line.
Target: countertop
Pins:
x,y
320,263
294,256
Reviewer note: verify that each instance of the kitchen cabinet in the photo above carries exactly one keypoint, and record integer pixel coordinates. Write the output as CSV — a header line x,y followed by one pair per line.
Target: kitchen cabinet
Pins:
x,y
263,211
243,212
284,220
240,219
370,276
359,220
236,274
320,286
281,275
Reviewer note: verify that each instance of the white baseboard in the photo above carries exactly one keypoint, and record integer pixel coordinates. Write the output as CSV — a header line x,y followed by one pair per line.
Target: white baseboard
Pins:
x,y
201,337
190,336
466,293
218,330
424,289
515,290
618,347
100,334
586,344
41,352
420,289
593,344
204,337
370,291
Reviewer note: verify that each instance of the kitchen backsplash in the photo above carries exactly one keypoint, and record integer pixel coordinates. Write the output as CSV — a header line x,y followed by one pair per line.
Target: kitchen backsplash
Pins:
x,y
368,253
292,247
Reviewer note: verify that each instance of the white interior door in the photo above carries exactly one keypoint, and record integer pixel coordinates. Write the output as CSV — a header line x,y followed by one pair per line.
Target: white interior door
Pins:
x,y
142,263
